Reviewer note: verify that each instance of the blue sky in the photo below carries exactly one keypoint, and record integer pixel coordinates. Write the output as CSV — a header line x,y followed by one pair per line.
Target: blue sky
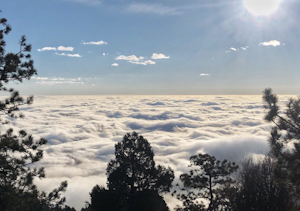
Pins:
x,y
157,47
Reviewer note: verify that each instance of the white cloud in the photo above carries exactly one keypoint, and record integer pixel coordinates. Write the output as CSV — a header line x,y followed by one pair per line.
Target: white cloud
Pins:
x,y
80,143
69,55
243,48
204,74
143,62
271,43
73,55
57,80
159,56
234,49
60,54
115,64
62,48
101,42
129,58
87,2
103,54
153,8
47,49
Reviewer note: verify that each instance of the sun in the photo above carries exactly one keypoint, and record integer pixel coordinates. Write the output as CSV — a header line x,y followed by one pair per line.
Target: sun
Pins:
x,y
261,7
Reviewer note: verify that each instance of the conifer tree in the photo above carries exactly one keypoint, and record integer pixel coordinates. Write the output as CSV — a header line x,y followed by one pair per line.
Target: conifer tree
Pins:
x,y
284,139
19,153
134,181
207,181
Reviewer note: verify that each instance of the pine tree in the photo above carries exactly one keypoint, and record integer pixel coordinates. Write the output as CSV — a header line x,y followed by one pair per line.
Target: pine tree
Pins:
x,y
19,153
284,139
207,181
134,181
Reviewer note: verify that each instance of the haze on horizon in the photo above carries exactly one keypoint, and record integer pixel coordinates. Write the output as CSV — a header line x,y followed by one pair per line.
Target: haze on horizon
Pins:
x,y
92,47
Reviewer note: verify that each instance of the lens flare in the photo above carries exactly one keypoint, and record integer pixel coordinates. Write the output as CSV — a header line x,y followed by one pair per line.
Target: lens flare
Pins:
x,y
261,7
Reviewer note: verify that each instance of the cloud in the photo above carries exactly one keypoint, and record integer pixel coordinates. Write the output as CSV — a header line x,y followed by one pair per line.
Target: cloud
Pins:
x,y
204,74
62,48
57,80
159,56
69,55
271,43
115,64
233,49
153,9
143,62
101,42
47,49
83,130
135,60
82,135
73,55
129,58
87,2
243,48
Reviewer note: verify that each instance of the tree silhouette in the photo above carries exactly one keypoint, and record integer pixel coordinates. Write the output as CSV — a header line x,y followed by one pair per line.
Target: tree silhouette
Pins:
x,y
257,188
18,153
208,180
14,67
284,140
133,179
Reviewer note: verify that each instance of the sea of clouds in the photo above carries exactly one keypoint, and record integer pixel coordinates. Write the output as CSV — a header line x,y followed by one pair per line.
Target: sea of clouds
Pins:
x,y
83,130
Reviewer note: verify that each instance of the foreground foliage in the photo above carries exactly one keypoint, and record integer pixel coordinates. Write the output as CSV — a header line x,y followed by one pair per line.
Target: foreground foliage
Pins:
x,y
257,188
207,181
18,153
134,182
284,140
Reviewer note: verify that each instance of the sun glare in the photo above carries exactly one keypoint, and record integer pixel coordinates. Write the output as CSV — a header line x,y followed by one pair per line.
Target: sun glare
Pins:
x,y
261,7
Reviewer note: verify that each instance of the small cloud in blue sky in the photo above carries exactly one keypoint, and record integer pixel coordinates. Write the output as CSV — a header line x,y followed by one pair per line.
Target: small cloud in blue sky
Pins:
x,y
143,62
135,60
101,42
88,2
62,48
204,74
69,55
159,56
129,58
233,49
57,80
115,64
59,48
273,43
47,49
153,8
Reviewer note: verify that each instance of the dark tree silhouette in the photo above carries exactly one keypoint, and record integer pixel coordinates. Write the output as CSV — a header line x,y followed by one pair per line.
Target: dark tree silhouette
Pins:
x,y
14,67
257,189
284,140
133,179
208,180
18,153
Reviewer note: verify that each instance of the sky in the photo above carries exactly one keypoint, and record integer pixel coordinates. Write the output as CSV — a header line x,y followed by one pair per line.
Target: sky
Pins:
x,y
142,47
82,132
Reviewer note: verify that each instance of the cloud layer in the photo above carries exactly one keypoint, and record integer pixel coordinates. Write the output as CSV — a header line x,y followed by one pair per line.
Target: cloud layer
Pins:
x,y
82,131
